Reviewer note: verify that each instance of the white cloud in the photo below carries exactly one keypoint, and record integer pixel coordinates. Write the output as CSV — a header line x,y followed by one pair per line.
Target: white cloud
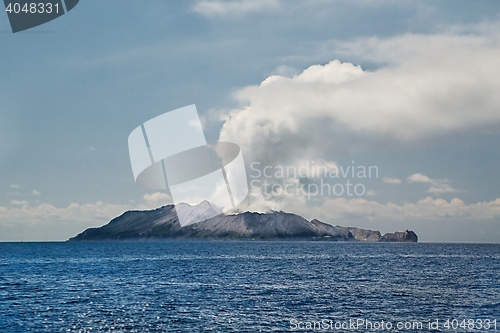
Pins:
x,y
389,180
419,178
437,186
441,188
157,199
35,192
472,40
45,212
432,86
15,186
234,7
21,212
427,208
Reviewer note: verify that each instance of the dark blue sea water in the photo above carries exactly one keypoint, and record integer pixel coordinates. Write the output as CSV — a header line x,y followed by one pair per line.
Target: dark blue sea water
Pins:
x,y
191,286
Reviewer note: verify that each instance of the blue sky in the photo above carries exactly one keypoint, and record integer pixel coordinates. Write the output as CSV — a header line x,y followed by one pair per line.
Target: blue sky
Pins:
x,y
73,89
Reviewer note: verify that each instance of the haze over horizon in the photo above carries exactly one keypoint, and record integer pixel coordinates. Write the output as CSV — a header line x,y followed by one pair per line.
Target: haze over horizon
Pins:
x,y
413,90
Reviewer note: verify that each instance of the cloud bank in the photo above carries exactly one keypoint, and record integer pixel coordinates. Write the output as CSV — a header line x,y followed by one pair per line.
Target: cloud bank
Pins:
x,y
388,180
436,186
22,220
432,86
425,209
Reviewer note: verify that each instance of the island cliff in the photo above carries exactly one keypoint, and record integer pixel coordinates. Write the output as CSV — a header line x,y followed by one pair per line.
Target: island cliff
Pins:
x,y
163,223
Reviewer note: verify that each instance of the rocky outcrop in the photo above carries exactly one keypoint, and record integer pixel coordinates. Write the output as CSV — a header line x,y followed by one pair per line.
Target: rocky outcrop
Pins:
x,y
365,235
407,236
164,223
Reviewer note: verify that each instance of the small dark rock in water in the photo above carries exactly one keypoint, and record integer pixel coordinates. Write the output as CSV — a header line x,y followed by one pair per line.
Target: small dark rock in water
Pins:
x,y
405,236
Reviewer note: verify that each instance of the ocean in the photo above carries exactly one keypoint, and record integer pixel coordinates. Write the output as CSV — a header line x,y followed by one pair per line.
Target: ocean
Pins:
x,y
249,286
